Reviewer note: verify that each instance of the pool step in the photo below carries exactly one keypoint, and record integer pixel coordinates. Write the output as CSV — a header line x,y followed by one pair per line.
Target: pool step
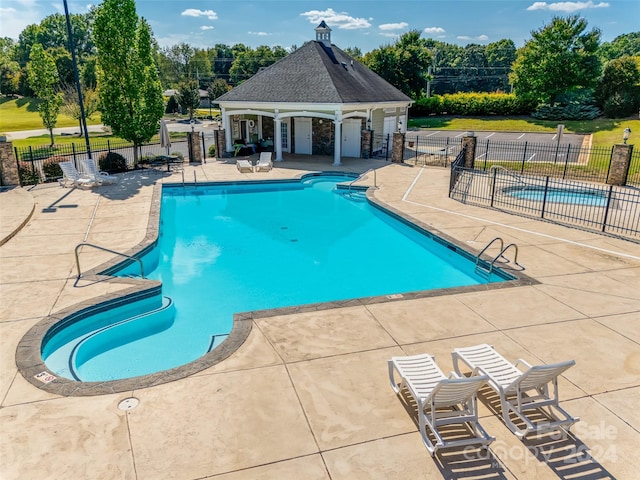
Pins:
x,y
355,196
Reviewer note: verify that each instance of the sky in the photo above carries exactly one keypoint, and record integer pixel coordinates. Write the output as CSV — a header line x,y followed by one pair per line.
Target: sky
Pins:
x,y
354,23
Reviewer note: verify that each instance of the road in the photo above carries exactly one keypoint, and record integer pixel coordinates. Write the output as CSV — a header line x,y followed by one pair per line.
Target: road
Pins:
x,y
533,137
173,126
505,146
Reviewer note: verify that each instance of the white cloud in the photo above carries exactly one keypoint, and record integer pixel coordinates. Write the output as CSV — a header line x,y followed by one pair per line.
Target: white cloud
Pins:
x,y
479,38
393,26
390,34
260,34
566,7
434,30
206,27
194,12
14,20
334,19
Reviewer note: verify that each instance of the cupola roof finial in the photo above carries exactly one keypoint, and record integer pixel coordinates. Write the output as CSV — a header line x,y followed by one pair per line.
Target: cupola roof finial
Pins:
x,y
323,34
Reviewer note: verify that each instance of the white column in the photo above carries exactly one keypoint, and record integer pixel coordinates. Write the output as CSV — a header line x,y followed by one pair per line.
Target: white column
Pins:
x,y
226,124
337,143
277,138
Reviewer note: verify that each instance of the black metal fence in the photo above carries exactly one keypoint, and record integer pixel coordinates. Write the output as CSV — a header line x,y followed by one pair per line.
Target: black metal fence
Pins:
x,y
381,146
601,208
554,160
34,162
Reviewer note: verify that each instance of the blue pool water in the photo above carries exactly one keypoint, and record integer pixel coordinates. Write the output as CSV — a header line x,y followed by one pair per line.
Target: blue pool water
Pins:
x,y
578,196
231,248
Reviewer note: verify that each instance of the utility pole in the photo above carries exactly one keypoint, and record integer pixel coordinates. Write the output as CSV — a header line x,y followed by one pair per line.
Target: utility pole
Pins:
x,y
76,76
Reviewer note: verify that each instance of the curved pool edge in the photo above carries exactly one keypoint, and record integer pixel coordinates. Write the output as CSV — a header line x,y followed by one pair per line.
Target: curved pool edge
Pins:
x,y
32,367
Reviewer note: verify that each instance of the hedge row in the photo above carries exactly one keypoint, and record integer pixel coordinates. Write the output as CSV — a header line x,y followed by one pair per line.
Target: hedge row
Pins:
x,y
477,104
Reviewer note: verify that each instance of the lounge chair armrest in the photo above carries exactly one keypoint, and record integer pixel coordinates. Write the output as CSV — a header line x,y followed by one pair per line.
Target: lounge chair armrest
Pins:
x,y
453,375
524,362
477,371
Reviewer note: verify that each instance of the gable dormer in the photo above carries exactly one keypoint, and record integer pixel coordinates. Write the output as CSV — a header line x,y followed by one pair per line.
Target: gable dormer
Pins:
x,y
323,34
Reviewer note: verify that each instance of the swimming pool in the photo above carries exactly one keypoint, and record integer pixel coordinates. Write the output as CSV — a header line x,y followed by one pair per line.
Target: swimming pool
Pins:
x,y
232,247
577,196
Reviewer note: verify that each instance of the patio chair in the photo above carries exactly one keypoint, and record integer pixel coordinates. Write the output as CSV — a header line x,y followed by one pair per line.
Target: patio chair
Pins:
x,y
71,175
264,162
520,391
440,401
244,165
91,169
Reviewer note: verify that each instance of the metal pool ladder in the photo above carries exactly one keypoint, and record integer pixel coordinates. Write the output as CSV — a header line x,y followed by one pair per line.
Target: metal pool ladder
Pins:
x,y
503,249
77,252
360,177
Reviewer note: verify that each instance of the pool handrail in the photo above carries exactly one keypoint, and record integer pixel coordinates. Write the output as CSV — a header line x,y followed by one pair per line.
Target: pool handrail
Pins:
x,y
509,173
84,244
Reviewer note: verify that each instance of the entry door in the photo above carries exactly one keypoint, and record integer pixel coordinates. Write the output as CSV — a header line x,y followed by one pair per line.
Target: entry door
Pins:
x,y
303,136
284,136
351,138
389,126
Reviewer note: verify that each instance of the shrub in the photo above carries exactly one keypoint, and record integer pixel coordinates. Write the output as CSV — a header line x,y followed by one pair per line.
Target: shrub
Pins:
x,y
172,105
212,150
572,111
178,154
28,176
112,162
51,169
621,105
476,104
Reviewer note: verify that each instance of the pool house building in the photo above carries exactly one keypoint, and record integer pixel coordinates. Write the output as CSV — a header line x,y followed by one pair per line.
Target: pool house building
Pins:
x,y
315,101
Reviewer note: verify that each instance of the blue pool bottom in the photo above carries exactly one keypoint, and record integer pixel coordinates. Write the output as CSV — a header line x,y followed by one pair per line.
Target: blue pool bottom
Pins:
x,y
230,248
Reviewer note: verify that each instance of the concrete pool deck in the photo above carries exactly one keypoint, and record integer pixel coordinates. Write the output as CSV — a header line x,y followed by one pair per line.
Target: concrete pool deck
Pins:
x,y
307,395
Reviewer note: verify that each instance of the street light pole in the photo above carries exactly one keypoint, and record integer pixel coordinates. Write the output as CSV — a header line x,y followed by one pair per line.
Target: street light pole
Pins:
x,y
72,49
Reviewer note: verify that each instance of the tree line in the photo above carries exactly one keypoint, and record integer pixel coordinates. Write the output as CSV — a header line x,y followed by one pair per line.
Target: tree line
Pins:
x,y
563,62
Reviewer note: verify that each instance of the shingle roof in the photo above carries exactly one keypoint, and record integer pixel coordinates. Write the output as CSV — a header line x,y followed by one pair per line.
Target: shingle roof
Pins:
x,y
315,74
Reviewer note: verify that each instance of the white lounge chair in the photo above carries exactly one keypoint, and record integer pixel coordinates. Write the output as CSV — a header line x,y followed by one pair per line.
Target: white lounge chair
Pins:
x,y
440,400
264,162
244,165
519,390
71,175
91,169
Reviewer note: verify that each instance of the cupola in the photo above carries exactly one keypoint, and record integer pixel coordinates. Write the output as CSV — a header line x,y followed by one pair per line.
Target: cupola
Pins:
x,y
323,34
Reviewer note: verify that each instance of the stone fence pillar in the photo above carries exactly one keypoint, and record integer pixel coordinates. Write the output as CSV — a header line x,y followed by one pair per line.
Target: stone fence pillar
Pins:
x,y
8,166
366,143
195,147
469,142
620,162
397,148
219,139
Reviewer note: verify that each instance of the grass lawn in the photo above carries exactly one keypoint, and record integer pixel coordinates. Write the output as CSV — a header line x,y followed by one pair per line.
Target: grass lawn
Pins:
x,y
605,131
22,114
44,140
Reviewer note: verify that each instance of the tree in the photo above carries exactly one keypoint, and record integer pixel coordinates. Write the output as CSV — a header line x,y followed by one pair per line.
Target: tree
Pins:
x,y
618,90
625,44
354,52
189,97
51,33
559,57
130,93
403,64
43,79
71,105
217,88
9,68
247,62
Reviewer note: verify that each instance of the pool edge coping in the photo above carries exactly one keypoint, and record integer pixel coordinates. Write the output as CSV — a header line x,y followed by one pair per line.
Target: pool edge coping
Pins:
x,y
28,355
